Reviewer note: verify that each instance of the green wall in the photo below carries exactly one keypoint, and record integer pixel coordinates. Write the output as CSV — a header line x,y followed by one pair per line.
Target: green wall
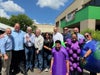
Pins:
x,y
90,12
94,12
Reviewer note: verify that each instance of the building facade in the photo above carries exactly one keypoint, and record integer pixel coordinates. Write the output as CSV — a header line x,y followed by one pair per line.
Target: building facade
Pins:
x,y
45,27
84,14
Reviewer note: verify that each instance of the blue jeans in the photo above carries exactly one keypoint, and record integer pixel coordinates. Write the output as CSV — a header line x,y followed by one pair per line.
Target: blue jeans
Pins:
x,y
29,52
39,60
47,60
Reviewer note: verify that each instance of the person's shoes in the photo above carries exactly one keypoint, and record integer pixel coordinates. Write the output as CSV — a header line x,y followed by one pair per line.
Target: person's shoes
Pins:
x,y
25,74
27,69
39,71
46,70
14,72
32,70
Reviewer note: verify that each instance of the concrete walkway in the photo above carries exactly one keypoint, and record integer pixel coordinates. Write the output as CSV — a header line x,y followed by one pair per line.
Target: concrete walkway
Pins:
x,y
48,73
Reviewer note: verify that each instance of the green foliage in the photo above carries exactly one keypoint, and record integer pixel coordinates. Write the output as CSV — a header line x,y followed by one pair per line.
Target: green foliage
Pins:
x,y
34,27
22,19
95,34
4,20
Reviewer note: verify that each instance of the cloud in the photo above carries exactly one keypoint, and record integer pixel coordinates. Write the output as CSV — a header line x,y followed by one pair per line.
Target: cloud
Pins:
x,y
3,13
10,6
54,4
36,22
1,0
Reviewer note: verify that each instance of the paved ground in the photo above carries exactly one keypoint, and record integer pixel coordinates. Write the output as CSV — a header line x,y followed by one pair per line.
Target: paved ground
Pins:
x,y
48,73
36,73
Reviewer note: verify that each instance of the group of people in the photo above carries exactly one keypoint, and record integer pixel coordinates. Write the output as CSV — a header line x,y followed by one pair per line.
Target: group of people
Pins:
x,y
67,59
23,51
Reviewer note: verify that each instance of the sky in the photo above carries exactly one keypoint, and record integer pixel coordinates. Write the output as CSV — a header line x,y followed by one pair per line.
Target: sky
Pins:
x,y
41,11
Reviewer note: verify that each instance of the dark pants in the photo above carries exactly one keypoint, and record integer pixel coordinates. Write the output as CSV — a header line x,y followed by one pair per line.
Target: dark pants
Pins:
x,y
18,61
92,73
47,59
75,73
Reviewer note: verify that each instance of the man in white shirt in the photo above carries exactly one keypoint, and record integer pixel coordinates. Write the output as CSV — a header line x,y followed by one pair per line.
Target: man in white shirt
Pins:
x,y
39,40
57,35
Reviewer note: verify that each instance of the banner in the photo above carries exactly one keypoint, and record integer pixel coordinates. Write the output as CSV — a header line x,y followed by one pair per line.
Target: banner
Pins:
x,y
70,16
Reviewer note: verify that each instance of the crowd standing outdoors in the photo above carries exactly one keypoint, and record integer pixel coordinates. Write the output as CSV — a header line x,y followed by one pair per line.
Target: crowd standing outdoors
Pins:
x,y
23,51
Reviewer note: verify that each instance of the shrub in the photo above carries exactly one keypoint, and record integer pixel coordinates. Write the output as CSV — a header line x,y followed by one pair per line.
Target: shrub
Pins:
x,y
95,34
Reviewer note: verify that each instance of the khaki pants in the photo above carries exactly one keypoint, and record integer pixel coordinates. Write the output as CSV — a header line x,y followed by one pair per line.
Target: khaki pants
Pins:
x,y
6,64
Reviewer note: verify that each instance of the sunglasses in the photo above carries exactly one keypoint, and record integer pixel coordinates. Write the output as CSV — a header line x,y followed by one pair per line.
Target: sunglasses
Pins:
x,y
86,36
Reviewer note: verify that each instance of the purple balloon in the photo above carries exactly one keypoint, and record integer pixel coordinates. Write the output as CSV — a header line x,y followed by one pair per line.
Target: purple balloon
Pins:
x,y
78,51
70,63
71,59
75,46
75,65
72,46
68,41
67,48
70,51
81,41
78,58
71,68
79,69
78,63
74,55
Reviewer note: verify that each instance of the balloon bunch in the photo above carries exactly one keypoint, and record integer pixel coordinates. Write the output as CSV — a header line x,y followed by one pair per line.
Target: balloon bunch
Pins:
x,y
73,49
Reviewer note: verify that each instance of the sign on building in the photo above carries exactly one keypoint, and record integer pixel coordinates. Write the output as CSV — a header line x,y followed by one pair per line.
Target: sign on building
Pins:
x,y
70,16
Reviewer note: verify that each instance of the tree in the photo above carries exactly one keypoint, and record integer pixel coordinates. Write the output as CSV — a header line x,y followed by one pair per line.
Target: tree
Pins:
x,y
4,20
22,19
34,27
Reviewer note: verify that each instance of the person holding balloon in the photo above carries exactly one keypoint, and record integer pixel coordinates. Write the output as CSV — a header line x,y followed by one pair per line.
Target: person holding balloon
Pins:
x,y
74,50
